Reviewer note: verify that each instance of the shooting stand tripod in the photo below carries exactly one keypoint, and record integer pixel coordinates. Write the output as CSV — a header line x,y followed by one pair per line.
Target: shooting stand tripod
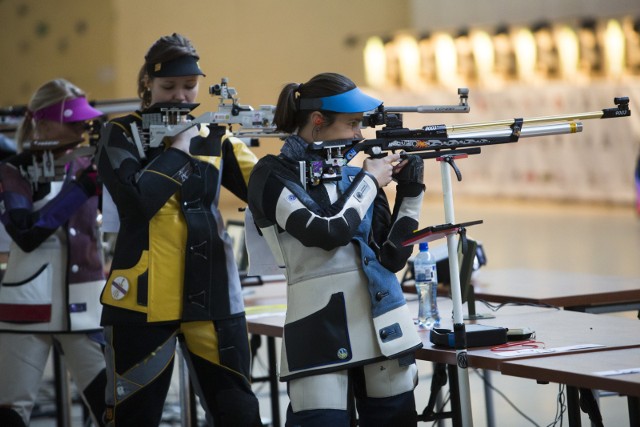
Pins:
x,y
461,400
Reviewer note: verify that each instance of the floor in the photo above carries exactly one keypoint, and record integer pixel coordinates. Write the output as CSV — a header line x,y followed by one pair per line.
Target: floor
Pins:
x,y
602,240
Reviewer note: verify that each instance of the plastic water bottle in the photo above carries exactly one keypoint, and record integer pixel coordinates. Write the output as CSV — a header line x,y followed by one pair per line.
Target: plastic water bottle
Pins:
x,y
426,276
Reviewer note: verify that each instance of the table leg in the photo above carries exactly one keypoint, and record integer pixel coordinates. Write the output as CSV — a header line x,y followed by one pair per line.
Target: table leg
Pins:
x,y
634,410
589,405
573,406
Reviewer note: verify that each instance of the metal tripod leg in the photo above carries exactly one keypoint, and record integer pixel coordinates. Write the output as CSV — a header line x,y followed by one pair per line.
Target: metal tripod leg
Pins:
x,y
458,320
188,410
63,398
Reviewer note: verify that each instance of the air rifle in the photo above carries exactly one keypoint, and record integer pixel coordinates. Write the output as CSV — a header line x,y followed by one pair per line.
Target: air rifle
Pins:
x,y
451,141
46,167
170,119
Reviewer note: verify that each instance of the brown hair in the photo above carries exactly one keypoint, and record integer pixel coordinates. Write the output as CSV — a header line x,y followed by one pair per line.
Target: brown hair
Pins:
x,y
165,49
288,116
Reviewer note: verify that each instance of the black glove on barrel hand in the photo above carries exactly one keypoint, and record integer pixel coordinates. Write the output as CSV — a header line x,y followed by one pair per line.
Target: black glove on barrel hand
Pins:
x,y
412,172
88,179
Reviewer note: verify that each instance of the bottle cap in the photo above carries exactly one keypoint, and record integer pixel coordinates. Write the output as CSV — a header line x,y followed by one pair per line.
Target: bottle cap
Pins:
x,y
424,246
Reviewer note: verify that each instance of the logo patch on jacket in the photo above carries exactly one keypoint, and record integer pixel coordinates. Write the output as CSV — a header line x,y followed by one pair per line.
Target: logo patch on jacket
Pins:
x,y
362,191
183,173
119,288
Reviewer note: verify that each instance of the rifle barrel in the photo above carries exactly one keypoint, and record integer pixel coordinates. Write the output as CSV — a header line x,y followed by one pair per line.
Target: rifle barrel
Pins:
x,y
526,131
259,134
430,109
547,119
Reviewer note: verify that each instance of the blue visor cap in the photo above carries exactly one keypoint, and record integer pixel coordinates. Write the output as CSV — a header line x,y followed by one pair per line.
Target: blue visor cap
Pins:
x,y
352,101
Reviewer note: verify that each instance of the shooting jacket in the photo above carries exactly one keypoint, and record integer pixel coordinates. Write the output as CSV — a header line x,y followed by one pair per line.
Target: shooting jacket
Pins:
x,y
173,259
55,270
341,246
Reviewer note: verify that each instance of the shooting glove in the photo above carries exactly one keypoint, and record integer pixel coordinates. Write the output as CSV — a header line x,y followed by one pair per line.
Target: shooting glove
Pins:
x,y
412,172
89,181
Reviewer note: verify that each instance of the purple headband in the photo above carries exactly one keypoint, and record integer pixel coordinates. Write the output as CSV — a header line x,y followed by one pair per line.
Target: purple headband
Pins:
x,y
68,110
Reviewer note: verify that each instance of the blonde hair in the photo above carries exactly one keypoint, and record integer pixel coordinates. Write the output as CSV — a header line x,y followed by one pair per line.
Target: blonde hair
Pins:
x,y
50,93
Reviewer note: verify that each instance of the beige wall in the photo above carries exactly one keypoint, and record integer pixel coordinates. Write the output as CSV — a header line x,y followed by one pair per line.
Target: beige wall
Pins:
x,y
41,40
258,45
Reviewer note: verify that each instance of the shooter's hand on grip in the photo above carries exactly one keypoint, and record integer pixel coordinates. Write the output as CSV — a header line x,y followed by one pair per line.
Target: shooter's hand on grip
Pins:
x,y
381,168
182,141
